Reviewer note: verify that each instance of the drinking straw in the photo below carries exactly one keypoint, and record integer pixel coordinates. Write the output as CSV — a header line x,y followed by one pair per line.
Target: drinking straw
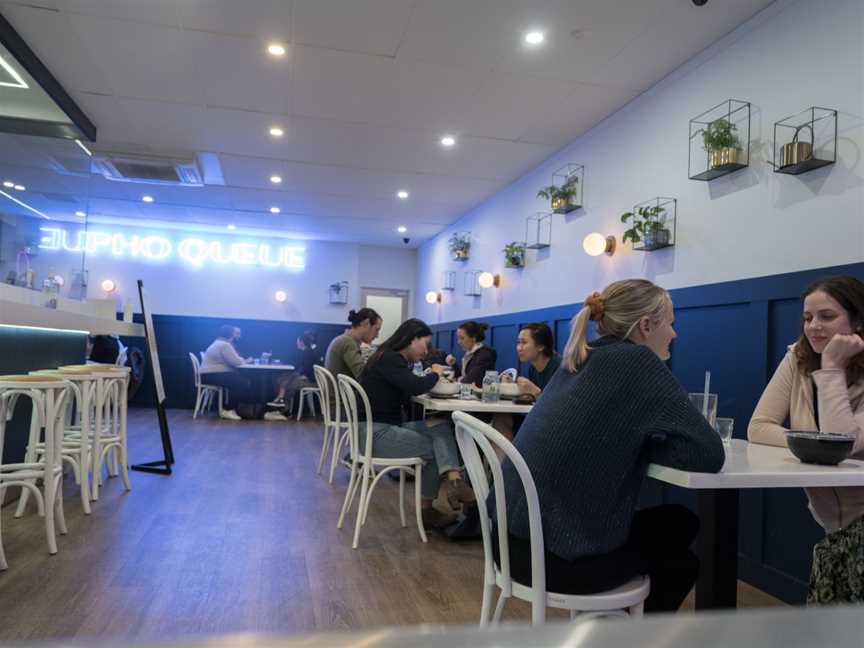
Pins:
x,y
705,397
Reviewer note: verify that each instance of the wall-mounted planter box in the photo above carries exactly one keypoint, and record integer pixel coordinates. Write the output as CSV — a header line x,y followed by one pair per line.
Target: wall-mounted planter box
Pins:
x,y
652,224
720,141
460,246
805,141
471,283
514,255
565,192
448,280
538,231
339,292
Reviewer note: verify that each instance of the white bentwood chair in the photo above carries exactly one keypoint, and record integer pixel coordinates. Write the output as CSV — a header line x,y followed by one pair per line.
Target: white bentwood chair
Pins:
x,y
331,410
203,392
627,600
364,465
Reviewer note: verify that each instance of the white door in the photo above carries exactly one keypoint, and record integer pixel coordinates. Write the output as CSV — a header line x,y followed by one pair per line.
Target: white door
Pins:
x,y
391,305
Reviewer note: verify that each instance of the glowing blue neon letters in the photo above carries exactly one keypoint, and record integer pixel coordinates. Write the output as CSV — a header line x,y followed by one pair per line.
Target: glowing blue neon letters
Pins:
x,y
195,251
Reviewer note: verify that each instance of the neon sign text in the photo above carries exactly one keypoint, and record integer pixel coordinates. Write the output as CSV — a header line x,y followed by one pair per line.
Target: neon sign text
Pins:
x,y
195,251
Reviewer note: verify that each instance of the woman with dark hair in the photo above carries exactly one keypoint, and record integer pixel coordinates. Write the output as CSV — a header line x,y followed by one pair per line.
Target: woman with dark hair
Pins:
x,y
819,386
390,383
289,385
478,358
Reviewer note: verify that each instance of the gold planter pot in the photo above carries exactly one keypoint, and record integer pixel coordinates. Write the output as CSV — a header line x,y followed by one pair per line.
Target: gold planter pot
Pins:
x,y
722,157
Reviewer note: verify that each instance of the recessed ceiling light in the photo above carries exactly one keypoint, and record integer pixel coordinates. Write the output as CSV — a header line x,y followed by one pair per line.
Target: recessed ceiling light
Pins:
x,y
8,184
277,132
20,187
275,179
448,141
147,199
276,49
401,229
402,194
275,210
80,214
535,37
232,227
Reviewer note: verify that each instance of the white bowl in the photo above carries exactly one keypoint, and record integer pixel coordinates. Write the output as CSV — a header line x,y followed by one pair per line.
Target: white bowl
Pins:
x,y
509,390
444,388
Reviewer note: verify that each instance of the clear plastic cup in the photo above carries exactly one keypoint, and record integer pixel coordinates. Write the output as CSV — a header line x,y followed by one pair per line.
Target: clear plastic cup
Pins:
x,y
724,427
698,401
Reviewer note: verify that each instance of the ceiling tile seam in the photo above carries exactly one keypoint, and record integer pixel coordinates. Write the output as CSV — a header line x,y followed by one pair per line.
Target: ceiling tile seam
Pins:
x,y
28,5
292,14
405,29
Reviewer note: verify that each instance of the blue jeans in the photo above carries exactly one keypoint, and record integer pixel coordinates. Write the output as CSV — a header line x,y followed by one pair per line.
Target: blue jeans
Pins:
x,y
436,445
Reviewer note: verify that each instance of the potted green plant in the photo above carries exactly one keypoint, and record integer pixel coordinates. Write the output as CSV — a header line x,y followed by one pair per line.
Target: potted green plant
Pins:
x,y
564,197
514,255
648,226
721,142
460,246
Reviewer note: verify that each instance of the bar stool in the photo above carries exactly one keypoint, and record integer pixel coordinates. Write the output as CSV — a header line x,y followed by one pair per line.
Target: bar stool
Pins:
x,y
77,436
50,400
110,424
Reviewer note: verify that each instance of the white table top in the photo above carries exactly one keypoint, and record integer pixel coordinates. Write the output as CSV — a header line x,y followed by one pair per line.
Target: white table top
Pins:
x,y
457,405
749,465
271,367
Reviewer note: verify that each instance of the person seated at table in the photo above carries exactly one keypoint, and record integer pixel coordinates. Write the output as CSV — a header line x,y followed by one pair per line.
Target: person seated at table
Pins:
x,y
343,354
219,368
310,355
104,349
478,358
611,409
390,383
536,346
819,387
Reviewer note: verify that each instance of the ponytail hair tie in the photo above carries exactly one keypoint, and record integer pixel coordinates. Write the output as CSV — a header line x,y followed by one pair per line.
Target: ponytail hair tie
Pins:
x,y
597,305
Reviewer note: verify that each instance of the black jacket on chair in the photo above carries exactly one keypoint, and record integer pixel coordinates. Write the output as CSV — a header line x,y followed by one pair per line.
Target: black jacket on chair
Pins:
x,y
483,360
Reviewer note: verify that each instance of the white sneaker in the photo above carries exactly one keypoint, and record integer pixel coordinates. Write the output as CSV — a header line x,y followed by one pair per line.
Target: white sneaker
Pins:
x,y
230,415
274,416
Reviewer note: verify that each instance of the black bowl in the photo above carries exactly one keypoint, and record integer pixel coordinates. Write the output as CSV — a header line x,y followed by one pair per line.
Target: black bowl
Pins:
x,y
815,448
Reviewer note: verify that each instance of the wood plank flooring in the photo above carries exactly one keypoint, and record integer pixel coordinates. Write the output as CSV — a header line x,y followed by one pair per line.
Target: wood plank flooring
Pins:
x,y
241,538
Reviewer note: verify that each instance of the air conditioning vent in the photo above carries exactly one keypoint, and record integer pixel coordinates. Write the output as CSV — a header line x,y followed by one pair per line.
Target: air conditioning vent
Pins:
x,y
126,168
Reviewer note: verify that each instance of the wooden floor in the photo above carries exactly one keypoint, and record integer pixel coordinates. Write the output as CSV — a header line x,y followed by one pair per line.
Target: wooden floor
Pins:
x,y
241,538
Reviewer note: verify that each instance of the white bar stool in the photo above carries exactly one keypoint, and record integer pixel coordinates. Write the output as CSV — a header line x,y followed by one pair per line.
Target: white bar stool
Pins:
x,y
110,422
50,401
77,437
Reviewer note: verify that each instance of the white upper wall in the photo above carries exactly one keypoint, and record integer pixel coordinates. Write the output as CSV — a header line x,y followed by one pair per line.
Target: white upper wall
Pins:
x,y
748,224
177,288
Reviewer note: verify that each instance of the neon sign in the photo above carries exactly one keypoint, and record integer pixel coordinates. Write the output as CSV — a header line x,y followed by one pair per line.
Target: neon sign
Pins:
x,y
195,251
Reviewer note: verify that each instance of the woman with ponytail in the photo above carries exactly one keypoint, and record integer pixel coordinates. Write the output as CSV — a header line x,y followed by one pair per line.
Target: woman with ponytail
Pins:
x,y
612,408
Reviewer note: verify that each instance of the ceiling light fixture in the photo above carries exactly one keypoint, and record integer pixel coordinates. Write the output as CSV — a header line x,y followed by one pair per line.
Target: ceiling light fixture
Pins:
x,y
403,195
275,131
20,188
275,210
80,214
275,179
8,184
147,199
534,37
448,141
232,226
401,229
276,49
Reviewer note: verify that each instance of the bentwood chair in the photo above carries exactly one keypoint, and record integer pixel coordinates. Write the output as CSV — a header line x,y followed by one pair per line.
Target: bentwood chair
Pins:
x,y
203,392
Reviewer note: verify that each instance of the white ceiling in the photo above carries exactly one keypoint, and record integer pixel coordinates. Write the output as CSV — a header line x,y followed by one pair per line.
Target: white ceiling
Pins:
x,y
364,94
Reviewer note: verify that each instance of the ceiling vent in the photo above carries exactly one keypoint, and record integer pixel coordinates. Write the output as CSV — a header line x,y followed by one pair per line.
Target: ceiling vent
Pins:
x,y
149,170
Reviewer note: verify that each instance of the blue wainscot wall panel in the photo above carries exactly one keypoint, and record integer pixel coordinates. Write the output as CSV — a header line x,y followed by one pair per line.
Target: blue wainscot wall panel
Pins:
x,y
740,331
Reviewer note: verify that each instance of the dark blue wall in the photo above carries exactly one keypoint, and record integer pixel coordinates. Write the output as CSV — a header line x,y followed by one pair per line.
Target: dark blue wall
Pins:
x,y
739,331
177,336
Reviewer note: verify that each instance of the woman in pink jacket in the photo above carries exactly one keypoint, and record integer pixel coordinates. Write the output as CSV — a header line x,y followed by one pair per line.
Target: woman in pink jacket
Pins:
x,y
819,386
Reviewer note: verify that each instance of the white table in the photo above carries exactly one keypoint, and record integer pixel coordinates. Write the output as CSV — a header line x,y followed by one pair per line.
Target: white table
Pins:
x,y
433,404
747,466
268,367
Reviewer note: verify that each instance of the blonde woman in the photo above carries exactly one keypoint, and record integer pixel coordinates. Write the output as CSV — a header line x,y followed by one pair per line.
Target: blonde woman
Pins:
x,y
611,409
819,386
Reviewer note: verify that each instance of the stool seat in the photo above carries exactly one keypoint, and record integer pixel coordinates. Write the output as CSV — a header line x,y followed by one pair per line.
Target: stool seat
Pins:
x,y
30,379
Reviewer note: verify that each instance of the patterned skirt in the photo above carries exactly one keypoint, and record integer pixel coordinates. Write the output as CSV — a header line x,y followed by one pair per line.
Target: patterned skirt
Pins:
x,y
837,576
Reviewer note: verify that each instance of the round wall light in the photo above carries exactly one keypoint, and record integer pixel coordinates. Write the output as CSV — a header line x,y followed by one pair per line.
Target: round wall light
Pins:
x,y
281,296
487,280
108,285
433,297
596,244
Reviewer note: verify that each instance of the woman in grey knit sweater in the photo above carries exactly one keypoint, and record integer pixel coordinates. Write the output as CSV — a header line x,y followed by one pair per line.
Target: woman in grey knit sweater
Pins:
x,y
611,409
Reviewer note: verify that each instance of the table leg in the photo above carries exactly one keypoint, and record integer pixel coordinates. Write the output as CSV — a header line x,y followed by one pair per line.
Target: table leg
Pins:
x,y
717,546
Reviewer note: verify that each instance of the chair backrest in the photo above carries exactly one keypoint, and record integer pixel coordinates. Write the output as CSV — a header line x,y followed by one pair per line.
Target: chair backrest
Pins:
x,y
349,389
196,369
471,433
121,358
329,395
